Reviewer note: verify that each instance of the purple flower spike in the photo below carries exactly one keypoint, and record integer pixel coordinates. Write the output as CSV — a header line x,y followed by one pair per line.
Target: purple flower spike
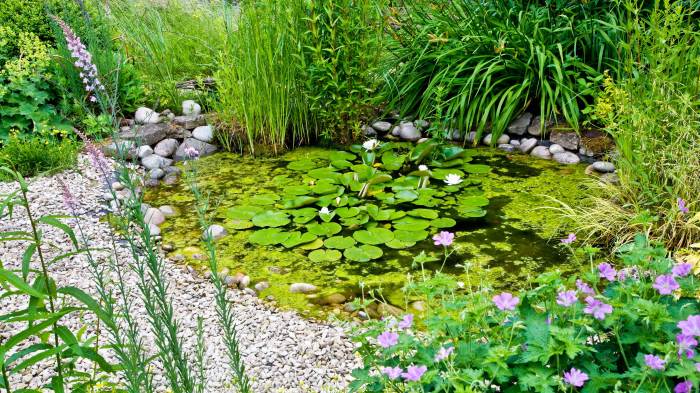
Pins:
x,y
597,308
691,326
388,339
406,322
506,301
665,284
681,269
683,387
584,288
569,239
680,202
566,298
575,377
413,373
654,362
392,372
444,238
686,344
88,70
607,272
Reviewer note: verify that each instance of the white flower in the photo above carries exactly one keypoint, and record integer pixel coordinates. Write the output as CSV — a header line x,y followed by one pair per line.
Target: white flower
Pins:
x,y
370,144
324,210
453,179
422,167
337,201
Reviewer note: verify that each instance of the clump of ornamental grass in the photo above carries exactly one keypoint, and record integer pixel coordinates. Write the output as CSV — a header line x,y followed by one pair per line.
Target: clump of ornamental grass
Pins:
x,y
630,323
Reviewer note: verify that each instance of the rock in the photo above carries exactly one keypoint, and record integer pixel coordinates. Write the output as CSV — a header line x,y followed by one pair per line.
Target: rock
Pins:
x,y
519,126
566,157
395,130
249,292
555,149
515,142
170,179
535,128
369,131
423,140
127,149
541,152
190,122
385,309
261,286
156,173
244,282
585,152
302,287
166,147
153,230
144,151
363,315
507,147
172,170
168,247
203,148
457,135
117,186
567,139
603,167
503,139
151,183
610,178
223,273
153,216
148,134
216,232
471,137
335,298
589,170
230,282
421,124
381,126
204,133
145,115
168,211
155,161
527,144
191,108
409,132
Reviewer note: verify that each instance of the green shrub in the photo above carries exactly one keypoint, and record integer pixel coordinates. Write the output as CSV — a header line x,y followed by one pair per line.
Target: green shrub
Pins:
x,y
32,155
478,64
31,16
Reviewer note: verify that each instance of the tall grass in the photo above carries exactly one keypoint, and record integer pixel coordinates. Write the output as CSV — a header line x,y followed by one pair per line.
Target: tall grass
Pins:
x,y
479,64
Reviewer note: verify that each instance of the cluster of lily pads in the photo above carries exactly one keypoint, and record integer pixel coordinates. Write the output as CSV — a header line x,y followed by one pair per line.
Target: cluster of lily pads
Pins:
x,y
352,203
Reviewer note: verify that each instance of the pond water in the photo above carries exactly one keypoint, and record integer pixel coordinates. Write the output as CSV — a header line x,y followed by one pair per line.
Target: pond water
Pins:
x,y
511,240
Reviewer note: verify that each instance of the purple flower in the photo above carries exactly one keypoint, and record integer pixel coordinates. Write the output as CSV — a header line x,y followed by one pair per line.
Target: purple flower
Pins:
x,y
686,344
683,387
569,239
681,269
444,238
388,339
681,206
406,322
566,298
506,301
413,373
691,326
575,377
392,372
597,308
607,272
654,362
444,353
584,288
96,156
88,70
68,198
665,284
697,367
191,153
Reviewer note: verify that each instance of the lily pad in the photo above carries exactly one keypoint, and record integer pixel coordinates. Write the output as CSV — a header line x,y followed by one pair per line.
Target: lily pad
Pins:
x,y
271,219
300,201
324,228
324,173
302,216
324,186
339,242
341,164
239,224
243,212
406,195
341,155
411,224
357,220
393,161
316,244
410,236
479,169
469,212
297,190
423,213
325,255
296,238
443,222
364,253
264,199
473,201
347,212
400,244
378,214
268,236
373,236
303,165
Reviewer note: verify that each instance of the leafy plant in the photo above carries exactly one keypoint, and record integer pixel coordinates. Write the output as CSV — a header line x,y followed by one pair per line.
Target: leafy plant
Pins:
x,y
34,155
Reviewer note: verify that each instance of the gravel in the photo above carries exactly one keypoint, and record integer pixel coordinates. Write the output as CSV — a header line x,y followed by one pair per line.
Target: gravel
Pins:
x,y
282,351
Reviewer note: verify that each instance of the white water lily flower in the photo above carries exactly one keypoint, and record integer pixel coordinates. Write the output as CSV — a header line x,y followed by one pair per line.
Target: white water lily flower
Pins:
x,y
453,179
422,167
337,201
370,144
324,210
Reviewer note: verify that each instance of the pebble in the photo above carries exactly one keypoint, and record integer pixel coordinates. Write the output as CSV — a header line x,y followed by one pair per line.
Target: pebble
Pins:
x,y
527,144
381,126
301,287
191,108
555,149
541,152
567,158
216,232
153,216
603,166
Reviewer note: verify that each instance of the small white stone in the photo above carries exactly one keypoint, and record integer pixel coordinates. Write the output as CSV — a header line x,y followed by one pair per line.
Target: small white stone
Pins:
x,y
216,232
191,108
153,216
204,133
145,115
144,151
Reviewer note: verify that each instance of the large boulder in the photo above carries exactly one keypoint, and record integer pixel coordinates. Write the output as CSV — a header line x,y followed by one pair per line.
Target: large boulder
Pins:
x,y
155,161
166,147
567,139
203,148
190,122
204,133
519,125
148,134
145,115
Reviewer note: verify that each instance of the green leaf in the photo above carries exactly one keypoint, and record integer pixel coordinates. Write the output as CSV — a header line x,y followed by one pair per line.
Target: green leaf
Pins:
x,y
268,236
339,242
271,219
303,165
92,305
373,236
324,228
346,212
243,212
264,199
363,253
325,255
393,161
296,238
239,224
423,213
26,259
55,222
443,222
299,201
400,244
411,224
410,236
17,282
478,169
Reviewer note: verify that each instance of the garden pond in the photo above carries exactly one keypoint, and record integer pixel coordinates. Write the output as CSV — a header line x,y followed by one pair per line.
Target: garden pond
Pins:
x,y
343,220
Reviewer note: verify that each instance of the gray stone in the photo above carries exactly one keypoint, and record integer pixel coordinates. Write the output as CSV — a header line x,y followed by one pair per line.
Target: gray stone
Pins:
x,y
166,147
151,183
191,108
144,151
541,152
610,178
203,148
302,287
585,152
395,130
155,161
527,144
503,139
156,173
204,133
145,115
515,142
244,282
603,167
168,211
455,135
216,232
117,186
471,137
409,132
381,126
170,179
126,149
423,140
535,128
507,147
567,139
519,126
421,124
555,149
262,285
154,230
190,122
369,131
148,134
172,170
153,216
567,157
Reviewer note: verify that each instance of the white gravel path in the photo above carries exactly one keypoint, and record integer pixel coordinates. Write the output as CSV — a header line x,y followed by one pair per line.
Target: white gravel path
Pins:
x,y
283,352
